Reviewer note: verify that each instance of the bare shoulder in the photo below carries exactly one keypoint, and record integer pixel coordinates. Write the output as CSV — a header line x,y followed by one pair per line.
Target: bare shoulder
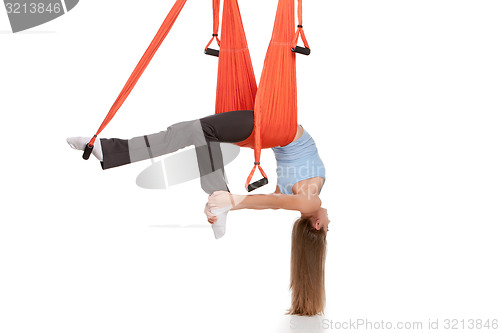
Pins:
x,y
299,133
310,187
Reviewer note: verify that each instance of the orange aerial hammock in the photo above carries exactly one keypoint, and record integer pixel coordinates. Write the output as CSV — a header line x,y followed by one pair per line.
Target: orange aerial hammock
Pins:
x,y
274,101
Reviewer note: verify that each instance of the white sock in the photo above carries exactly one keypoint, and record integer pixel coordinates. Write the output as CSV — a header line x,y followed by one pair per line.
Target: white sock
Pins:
x,y
79,143
219,227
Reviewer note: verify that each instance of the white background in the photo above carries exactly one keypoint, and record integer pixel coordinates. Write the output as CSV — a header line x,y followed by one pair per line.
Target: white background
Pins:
x,y
401,97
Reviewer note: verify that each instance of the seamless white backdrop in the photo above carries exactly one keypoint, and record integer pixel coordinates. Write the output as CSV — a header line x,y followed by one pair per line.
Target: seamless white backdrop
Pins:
x,y
401,98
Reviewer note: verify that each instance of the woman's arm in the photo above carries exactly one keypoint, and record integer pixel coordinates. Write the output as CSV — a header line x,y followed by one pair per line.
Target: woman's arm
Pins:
x,y
278,201
298,202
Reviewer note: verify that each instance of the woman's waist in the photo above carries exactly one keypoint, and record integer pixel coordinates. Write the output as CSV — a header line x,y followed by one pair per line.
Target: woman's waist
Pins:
x,y
307,162
295,156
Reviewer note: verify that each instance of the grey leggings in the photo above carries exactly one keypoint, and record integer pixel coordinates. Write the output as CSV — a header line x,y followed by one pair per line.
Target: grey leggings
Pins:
x,y
205,134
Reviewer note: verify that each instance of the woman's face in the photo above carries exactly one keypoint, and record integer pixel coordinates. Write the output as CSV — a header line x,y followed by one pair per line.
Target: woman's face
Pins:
x,y
320,219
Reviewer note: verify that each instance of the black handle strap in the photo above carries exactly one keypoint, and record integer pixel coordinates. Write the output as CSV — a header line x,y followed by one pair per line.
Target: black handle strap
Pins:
x,y
87,151
259,183
302,50
212,52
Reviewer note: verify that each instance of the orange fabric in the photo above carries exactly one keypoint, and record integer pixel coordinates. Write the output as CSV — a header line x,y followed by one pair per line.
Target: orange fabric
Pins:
x,y
274,102
143,63
216,6
300,30
236,84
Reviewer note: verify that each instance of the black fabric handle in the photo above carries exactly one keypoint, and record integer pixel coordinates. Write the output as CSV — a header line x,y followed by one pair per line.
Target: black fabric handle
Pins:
x,y
302,50
87,151
212,52
257,184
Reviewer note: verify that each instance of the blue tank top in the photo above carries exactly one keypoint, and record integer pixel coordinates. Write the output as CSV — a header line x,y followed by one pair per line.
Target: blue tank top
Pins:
x,y
299,160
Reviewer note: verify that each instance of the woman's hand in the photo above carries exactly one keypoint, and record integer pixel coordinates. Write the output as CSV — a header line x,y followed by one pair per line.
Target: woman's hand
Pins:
x,y
210,216
220,199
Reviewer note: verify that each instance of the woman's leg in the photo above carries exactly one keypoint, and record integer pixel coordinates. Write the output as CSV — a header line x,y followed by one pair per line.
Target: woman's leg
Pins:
x,y
205,134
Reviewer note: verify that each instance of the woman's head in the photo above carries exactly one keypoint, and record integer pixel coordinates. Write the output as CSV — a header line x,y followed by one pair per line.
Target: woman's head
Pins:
x,y
307,269
319,219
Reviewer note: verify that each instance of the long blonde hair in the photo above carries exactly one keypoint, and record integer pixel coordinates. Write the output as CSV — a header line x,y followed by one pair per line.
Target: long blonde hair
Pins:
x,y
307,269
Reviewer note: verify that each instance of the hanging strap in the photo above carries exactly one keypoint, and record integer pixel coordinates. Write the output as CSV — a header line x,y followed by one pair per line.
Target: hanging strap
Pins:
x,y
257,151
261,182
277,93
139,69
300,31
215,34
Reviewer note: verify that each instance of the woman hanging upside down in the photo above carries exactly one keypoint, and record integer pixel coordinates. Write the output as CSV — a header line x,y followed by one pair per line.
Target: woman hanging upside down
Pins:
x,y
300,173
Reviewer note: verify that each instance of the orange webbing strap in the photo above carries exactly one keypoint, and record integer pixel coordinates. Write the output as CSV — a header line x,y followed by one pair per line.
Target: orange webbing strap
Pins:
x,y
215,34
141,66
275,107
300,30
257,150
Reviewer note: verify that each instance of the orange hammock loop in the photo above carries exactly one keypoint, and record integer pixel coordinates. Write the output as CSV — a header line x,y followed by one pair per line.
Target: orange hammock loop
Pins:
x,y
274,101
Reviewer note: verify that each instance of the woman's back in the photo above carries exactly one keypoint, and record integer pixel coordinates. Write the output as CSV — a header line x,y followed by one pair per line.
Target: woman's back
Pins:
x,y
299,165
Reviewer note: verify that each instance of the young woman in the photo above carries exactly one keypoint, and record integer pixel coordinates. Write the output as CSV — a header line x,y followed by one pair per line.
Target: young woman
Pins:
x,y
300,173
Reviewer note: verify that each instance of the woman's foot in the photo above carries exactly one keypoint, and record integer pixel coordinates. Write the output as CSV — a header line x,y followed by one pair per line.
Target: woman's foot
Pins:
x,y
79,143
219,227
